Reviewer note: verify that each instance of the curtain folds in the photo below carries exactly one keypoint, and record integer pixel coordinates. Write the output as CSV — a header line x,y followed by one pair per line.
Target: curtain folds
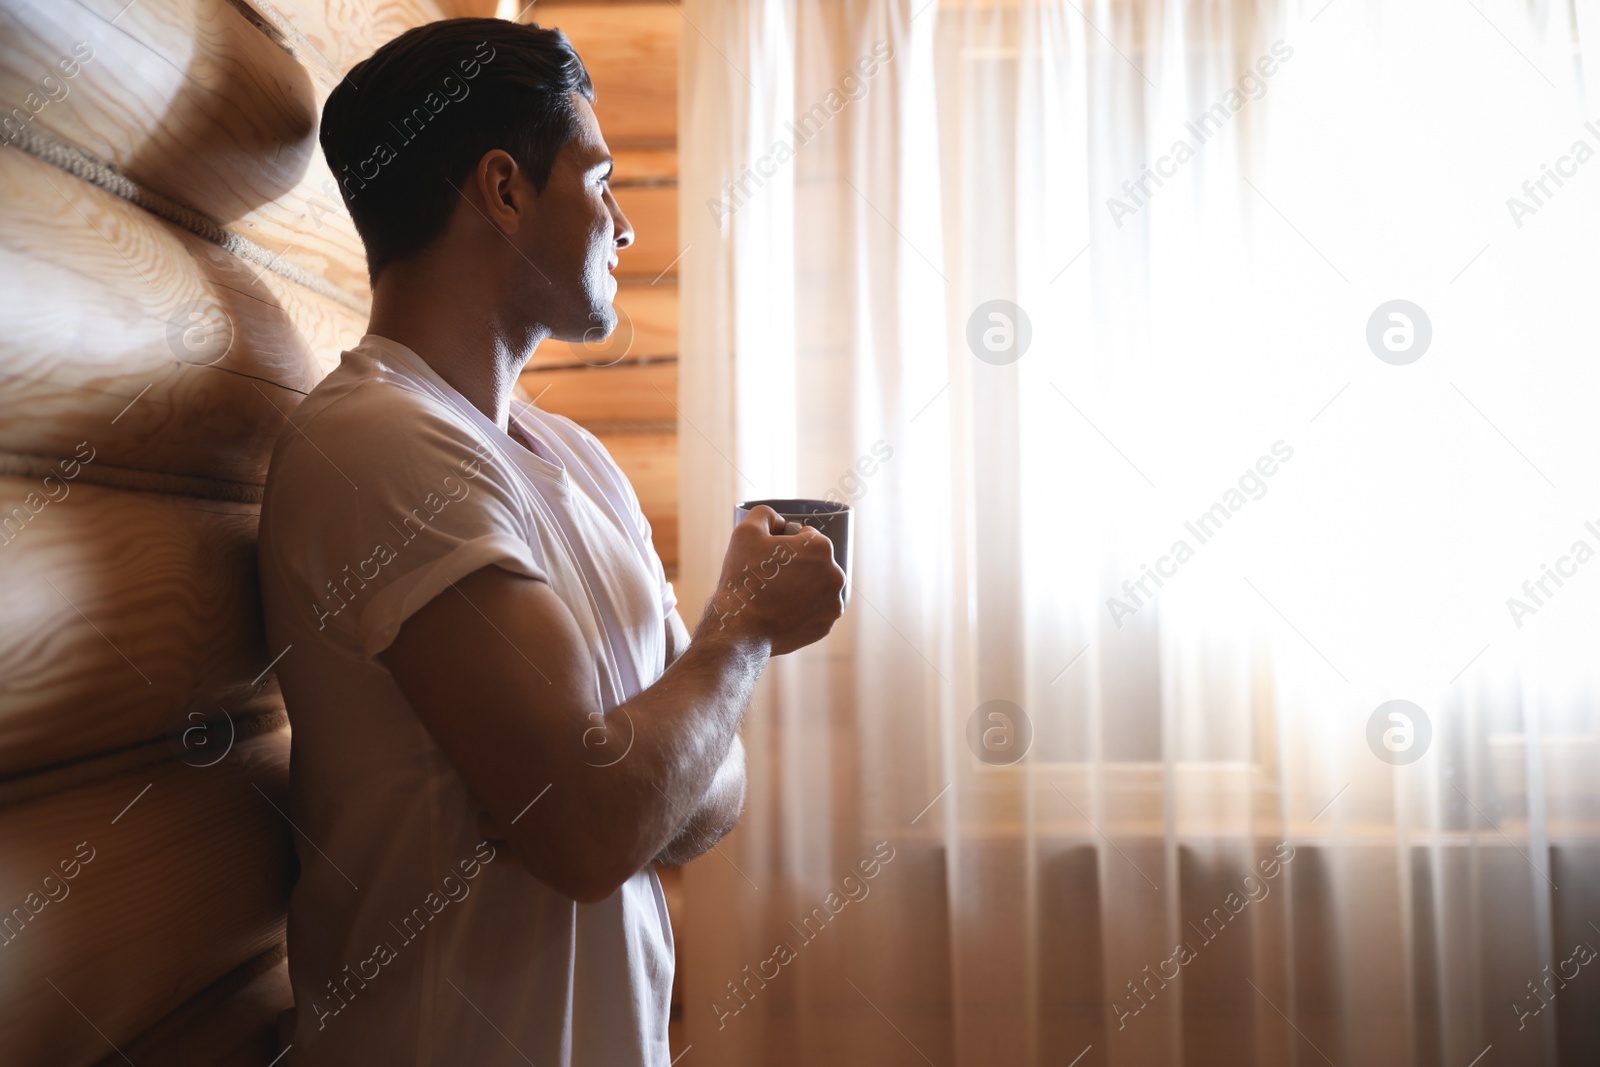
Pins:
x,y
1073,305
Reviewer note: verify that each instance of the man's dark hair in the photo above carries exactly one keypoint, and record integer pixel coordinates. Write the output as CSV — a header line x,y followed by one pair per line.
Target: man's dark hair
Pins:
x,y
409,123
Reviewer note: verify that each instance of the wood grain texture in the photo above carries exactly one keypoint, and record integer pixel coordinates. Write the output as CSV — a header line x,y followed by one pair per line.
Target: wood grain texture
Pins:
x,y
184,880
626,393
650,460
199,740
647,328
124,612
475,8
192,100
631,53
331,36
99,347
234,1023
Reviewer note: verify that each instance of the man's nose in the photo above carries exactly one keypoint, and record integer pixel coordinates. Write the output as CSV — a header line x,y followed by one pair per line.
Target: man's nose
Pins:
x,y
624,229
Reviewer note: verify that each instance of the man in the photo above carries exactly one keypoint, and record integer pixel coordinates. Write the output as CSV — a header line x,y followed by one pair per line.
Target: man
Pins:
x,y
499,719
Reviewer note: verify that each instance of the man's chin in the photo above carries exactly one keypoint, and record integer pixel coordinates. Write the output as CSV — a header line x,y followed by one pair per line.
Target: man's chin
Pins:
x,y
596,330
607,339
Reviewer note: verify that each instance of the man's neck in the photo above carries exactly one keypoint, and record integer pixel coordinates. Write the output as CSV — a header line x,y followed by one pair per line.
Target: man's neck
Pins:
x,y
458,330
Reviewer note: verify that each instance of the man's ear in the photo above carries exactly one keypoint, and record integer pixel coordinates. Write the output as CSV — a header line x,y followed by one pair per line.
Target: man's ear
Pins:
x,y
505,197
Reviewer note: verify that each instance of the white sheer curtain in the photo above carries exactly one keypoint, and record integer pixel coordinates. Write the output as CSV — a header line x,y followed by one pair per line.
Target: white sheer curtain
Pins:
x,y
1128,596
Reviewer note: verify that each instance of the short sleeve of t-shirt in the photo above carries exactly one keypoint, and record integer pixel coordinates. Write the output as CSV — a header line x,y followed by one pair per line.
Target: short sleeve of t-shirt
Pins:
x,y
404,500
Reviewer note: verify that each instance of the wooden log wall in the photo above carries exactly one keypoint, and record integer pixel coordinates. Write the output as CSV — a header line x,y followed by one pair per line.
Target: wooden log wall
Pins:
x,y
178,273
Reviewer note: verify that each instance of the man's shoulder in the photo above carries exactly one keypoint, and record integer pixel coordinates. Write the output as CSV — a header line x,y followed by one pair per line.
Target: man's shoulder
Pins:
x,y
362,413
359,395
363,434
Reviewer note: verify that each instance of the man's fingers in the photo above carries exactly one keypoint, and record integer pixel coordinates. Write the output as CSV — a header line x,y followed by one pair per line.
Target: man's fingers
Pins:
x,y
813,535
766,518
769,520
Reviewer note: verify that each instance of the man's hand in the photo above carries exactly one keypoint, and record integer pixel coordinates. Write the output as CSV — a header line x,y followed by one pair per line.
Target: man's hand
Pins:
x,y
784,588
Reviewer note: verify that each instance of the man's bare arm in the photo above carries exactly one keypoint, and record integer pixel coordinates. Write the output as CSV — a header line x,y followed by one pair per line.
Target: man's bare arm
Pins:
x,y
717,814
719,810
498,672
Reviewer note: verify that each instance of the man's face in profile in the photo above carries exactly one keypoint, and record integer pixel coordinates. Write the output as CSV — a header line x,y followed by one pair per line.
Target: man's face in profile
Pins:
x,y
579,229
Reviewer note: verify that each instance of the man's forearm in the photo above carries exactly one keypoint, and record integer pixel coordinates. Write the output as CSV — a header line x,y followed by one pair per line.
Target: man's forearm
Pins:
x,y
678,734
717,813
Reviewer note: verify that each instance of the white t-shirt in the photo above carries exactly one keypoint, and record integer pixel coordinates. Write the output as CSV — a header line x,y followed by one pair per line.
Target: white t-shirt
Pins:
x,y
410,940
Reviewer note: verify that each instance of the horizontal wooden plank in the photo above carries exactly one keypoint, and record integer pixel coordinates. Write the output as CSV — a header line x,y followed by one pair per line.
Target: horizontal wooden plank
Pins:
x,y
650,460
631,53
100,346
647,328
635,167
652,211
625,393
127,897
122,614
190,99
